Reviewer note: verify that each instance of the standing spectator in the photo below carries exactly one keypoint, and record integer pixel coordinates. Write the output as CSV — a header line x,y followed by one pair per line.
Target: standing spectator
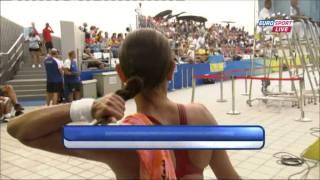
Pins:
x,y
34,48
294,8
99,36
54,77
114,44
106,39
266,11
86,33
46,33
71,77
33,28
120,38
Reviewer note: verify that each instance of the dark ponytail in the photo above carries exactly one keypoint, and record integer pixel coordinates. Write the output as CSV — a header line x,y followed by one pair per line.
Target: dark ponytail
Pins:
x,y
133,86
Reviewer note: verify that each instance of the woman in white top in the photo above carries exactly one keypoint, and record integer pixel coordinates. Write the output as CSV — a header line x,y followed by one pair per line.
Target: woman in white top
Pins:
x,y
34,48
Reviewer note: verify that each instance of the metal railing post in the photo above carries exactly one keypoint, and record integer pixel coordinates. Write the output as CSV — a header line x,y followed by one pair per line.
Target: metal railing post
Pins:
x,y
245,86
302,115
193,86
233,111
221,100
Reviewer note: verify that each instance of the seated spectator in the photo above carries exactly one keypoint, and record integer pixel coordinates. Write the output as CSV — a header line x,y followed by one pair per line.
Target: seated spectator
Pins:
x,y
190,54
92,61
99,36
8,91
5,109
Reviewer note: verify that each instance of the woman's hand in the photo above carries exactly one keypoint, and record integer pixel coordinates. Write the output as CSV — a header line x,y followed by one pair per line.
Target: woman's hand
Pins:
x,y
109,108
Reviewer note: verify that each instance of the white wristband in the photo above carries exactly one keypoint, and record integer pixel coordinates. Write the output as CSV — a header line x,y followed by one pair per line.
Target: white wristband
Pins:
x,y
81,110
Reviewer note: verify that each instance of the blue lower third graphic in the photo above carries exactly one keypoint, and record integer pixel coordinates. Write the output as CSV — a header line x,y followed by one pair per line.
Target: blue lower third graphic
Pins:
x,y
163,137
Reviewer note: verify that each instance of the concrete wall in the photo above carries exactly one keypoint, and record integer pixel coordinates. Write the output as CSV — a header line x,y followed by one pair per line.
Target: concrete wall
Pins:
x,y
9,32
71,39
309,8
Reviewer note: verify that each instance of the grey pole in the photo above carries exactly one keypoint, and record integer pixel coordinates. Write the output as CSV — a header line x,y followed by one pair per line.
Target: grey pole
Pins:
x,y
280,73
233,111
302,117
193,86
221,100
187,74
174,73
245,86
182,79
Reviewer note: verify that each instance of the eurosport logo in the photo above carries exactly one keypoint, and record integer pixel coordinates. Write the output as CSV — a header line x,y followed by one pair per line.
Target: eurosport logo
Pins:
x,y
278,26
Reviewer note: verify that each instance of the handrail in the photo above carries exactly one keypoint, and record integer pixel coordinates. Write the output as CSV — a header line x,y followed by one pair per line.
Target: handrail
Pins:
x,y
9,60
14,44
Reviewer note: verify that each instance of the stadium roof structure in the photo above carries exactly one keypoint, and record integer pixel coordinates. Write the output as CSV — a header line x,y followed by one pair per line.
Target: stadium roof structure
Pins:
x,y
193,18
228,22
162,14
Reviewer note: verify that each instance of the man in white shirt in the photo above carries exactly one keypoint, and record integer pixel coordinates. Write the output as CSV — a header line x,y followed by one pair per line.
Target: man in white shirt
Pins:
x,y
264,14
295,11
294,8
71,77
191,53
266,11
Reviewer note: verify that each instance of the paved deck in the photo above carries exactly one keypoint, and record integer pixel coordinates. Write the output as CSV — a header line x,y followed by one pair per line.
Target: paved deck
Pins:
x,y
283,133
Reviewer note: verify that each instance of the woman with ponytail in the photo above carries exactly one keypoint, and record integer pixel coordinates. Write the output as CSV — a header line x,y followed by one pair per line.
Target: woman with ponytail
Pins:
x,y
146,64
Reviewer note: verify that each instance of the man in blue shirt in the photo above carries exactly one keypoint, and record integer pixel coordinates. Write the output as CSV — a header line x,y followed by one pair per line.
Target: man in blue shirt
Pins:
x,y
54,77
71,77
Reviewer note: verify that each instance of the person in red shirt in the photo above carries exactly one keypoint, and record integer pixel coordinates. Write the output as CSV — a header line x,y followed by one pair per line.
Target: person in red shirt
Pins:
x,y
46,33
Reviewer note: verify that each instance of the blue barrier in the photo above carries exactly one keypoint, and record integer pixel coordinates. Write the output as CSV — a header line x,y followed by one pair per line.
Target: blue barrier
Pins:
x,y
88,74
215,59
184,71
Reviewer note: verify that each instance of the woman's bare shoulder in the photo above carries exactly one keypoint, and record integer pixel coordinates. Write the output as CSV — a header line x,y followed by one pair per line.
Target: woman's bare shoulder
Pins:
x,y
198,114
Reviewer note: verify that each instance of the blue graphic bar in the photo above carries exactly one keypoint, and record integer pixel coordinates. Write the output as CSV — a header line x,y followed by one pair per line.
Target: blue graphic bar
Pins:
x,y
266,22
164,137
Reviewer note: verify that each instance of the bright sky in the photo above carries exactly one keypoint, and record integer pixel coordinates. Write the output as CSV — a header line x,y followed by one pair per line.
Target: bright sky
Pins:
x,y
115,16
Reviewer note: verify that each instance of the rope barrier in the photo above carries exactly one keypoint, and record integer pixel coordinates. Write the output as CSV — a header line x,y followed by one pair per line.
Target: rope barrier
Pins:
x,y
257,68
212,76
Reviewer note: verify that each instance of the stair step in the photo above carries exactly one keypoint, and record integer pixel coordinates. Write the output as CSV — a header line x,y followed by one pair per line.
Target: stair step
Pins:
x,y
31,73
27,82
30,76
29,87
23,68
29,68
32,97
30,92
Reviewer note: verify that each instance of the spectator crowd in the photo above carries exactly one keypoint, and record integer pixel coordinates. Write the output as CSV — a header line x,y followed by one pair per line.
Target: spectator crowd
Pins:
x,y
97,41
192,41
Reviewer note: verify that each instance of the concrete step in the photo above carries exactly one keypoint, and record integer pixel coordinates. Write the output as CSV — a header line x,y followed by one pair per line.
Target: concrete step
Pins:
x,y
31,72
30,92
30,76
40,81
29,87
32,97
29,68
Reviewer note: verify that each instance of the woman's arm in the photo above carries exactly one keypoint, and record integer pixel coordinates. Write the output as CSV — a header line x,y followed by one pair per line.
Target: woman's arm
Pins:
x,y
40,122
42,129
